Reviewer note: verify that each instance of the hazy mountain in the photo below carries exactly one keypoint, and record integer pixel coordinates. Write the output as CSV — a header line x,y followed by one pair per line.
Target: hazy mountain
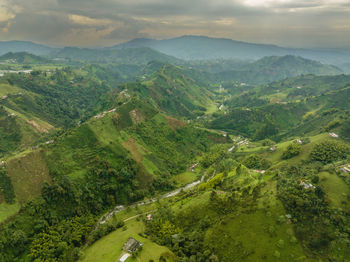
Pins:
x,y
24,46
142,55
202,47
274,68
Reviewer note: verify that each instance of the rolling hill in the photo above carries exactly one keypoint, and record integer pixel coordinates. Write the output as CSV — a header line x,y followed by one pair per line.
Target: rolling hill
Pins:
x,y
174,93
24,58
292,107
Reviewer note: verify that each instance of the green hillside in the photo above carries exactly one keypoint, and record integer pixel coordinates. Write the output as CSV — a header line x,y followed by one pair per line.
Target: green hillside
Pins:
x,y
219,219
172,92
116,157
289,108
137,56
195,162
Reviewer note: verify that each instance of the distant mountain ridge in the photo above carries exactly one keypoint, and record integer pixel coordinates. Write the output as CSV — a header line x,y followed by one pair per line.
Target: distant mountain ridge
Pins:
x,y
142,55
203,47
192,48
272,68
24,46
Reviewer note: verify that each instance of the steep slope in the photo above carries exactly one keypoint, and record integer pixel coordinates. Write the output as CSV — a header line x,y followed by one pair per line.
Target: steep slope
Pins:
x,y
33,104
172,91
117,157
290,209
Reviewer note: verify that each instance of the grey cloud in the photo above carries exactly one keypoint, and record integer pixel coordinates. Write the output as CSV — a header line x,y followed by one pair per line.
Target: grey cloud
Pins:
x,y
288,23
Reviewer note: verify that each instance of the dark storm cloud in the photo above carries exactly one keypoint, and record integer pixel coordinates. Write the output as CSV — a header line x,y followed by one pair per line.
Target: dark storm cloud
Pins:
x,y
105,22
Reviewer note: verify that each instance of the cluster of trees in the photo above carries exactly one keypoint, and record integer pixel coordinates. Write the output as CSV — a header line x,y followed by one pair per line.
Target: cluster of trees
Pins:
x,y
6,187
292,150
256,161
61,98
317,225
58,222
329,151
10,136
61,242
183,233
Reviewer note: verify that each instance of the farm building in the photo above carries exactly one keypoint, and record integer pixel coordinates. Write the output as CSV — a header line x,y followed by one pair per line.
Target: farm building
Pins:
x,y
131,245
333,135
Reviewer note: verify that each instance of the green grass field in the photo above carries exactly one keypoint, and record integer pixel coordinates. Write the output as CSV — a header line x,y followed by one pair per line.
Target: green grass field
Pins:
x,y
109,248
6,89
186,178
28,173
336,190
7,210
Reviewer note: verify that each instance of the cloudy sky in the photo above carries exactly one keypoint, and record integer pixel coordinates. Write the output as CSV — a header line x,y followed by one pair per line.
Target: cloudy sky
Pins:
x,y
297,23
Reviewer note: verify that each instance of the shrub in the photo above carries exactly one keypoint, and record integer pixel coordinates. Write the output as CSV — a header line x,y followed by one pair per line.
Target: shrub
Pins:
x,y
256,161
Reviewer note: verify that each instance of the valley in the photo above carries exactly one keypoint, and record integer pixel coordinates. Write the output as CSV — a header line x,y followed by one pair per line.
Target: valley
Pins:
x,y
195,160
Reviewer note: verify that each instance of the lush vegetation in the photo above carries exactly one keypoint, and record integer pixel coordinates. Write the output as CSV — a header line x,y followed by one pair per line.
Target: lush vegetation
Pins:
x,y
89,153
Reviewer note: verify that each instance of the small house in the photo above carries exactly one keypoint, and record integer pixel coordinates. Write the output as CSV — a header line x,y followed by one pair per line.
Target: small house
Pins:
x,y
299,141
306,185
131,245
334,135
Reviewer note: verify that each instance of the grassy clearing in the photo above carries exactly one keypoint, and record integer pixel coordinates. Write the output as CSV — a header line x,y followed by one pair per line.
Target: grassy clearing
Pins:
x,y
109,248
6,89
7,210
264,235
211,108
198,200
28,173
276,97
104,130
258,233
186,178
276,156
336,190
135,149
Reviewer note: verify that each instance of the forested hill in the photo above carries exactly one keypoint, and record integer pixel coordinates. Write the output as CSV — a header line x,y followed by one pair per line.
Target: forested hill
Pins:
x,y
34,104
295,106
269,69
138,56
170,90
117,157
23,58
